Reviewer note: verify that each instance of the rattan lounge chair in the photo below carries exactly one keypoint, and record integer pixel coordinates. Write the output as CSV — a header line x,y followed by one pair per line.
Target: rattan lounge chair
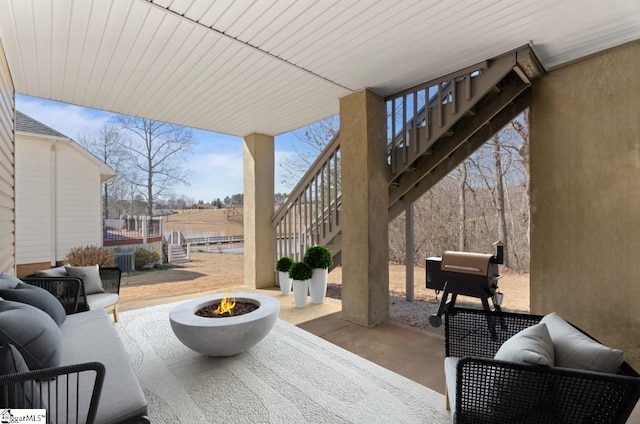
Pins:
x,y
70,291
481,389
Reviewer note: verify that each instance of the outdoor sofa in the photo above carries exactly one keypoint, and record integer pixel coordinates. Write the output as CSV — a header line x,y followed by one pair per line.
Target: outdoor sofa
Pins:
x,y
519,368
74,366
81,289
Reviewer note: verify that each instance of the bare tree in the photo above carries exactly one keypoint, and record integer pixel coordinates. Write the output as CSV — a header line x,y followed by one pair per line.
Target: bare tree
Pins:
x,y
521,126
469,212
156,152
499,197
313,139
105,144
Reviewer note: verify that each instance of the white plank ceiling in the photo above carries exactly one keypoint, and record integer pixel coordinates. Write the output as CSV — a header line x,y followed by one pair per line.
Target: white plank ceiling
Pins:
x,y
271,66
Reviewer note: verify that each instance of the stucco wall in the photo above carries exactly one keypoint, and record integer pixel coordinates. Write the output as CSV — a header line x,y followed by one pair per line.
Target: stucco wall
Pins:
x,y
259,236
365,218
585,196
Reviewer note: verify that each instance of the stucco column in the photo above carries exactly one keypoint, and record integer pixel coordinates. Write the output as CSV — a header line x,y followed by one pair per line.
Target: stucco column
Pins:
x,y
259,237
365,205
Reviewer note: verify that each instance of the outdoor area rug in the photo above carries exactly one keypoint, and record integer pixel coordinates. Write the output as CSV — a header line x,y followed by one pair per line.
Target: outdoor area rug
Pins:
x,y
291,376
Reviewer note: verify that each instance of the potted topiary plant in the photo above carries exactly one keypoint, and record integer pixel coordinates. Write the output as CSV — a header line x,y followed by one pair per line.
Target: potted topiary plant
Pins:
x,y
319,259
282,266
300,274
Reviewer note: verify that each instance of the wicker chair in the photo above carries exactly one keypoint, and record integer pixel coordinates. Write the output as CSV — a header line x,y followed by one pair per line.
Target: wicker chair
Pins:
x,y
70,291
490,391
62,391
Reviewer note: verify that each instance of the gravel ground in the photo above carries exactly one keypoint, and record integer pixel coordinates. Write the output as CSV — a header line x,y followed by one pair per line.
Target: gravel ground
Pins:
x,y
415,314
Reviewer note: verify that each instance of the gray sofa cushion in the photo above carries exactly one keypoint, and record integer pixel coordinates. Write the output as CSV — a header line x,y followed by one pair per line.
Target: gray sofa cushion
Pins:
x,y
38,297
532,345
59,271
574,349
89,336
11,362
90,277
32,332
8,281
101,300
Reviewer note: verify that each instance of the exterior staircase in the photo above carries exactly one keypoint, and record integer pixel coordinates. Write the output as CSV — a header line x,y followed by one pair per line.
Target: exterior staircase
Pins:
x,y
174,250
176,253
431,129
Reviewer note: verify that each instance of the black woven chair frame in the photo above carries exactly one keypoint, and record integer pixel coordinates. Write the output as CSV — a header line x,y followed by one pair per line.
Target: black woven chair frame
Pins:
x,y
58,390
70,290
536,394
468,331
111,277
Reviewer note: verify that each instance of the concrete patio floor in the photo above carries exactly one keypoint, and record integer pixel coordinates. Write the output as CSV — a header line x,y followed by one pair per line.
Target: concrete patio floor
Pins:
x,y
410,352
413,353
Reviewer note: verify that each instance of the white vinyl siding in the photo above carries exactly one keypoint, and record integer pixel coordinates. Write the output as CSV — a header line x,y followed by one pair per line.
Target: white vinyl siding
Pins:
x,y
59,203
78,201
7,192
33,182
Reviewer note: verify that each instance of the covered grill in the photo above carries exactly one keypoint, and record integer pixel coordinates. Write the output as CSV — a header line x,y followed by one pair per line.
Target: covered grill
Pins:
x,y
465,273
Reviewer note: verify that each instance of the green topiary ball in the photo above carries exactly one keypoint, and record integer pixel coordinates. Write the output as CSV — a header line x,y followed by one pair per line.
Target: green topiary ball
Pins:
x,y
284,264
318,257
300,271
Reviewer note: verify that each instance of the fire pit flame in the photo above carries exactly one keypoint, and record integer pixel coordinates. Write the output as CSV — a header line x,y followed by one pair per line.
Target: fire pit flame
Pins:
x,y
225,307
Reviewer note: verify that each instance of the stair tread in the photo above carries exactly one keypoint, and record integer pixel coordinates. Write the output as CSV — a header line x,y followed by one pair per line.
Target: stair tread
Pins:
x,y
178,254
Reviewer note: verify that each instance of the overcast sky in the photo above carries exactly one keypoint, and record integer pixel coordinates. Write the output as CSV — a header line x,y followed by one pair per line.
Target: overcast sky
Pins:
x,y
216,160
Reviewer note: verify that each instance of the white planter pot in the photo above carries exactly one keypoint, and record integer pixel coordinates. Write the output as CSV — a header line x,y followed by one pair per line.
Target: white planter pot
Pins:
x,y
300,290
285,282
318,285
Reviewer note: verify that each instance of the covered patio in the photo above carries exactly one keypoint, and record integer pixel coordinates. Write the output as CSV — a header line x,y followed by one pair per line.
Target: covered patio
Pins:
x,y
260,69
399,349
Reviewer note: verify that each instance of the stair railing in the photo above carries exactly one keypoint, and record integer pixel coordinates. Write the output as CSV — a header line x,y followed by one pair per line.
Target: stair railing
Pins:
x,y
416,118
311,213
412,127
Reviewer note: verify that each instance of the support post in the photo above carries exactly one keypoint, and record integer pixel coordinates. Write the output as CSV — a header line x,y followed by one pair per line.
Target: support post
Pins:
x,y
365,205
259,236
145,228
409,255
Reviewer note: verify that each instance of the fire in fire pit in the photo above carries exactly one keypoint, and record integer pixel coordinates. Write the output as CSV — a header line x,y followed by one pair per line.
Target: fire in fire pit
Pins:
x,y
226,308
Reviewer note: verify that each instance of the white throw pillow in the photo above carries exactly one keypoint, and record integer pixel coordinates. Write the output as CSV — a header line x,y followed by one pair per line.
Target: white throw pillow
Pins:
x,y
532,346
576,350
90,277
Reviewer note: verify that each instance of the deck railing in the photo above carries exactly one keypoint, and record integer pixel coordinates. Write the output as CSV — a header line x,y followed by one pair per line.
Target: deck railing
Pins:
x,y
130,229
311,213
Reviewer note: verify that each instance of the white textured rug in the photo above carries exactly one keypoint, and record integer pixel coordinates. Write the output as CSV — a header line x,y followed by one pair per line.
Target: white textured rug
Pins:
x,y
291,376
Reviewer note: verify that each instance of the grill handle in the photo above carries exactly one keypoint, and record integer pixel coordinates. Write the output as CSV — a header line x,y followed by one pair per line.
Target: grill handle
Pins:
x,y
494,280
462,268
498,258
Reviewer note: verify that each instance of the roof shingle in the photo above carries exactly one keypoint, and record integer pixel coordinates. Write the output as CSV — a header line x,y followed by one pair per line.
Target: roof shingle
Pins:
x,y
26,123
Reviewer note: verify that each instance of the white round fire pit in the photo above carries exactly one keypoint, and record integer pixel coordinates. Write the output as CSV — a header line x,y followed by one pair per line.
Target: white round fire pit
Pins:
x,y
228,335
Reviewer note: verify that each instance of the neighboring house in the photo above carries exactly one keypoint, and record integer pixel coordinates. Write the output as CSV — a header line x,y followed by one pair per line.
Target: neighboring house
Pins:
x,y
201,205
58,195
